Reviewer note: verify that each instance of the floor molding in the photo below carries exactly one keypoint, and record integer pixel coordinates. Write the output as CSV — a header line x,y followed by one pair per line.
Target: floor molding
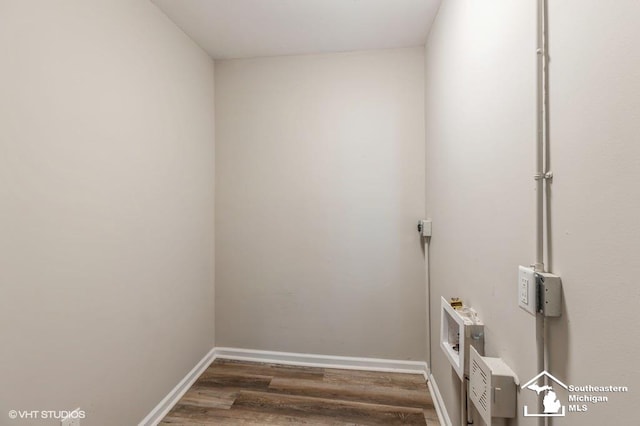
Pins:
x,y
441,409
322,361
172,398
297,359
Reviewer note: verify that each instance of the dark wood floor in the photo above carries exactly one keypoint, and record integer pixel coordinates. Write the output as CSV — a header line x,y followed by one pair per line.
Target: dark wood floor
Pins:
x,y
244,393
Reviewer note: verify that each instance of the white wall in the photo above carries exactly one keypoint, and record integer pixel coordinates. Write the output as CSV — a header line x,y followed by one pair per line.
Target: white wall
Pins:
x,y
595,123
106,208
319,185
480,97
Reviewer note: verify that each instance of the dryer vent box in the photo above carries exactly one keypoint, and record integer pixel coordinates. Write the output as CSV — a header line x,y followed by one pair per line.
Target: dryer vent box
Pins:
x,y
492,387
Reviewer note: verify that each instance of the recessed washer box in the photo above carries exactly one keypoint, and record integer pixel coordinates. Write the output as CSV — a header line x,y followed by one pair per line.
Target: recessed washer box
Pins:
x,y
460,329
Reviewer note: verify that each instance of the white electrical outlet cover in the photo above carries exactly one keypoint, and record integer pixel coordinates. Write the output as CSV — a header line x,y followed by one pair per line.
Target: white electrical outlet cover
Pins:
x,y
527,299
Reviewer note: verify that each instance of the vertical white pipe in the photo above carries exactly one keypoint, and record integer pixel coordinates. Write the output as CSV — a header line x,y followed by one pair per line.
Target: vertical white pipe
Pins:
x,y
541,142
540,135
540,344
463,403
428,301
469,412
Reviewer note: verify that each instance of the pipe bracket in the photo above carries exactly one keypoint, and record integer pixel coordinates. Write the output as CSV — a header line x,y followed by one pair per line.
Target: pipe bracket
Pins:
x,y
543,176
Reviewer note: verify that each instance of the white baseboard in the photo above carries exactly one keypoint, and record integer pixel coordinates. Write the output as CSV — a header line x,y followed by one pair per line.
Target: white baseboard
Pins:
x,y
323,361
441,409
297,359
172,398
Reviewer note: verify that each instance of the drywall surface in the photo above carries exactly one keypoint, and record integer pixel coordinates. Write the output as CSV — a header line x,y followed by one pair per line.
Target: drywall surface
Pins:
x,y
319,186
595,123
106,208
480,109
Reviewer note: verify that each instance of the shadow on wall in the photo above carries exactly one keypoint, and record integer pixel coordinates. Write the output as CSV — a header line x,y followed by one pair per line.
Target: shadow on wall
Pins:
x,y
559,344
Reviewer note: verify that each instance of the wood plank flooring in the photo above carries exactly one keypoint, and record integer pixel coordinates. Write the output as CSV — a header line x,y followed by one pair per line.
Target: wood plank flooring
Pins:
x,y
246,393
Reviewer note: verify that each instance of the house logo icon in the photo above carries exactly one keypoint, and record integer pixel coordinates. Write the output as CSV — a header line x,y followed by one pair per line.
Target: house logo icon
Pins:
x,y
552,407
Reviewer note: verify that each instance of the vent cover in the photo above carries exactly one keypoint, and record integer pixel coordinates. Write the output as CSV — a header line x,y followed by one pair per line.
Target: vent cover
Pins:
x,y
492,387
479,386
